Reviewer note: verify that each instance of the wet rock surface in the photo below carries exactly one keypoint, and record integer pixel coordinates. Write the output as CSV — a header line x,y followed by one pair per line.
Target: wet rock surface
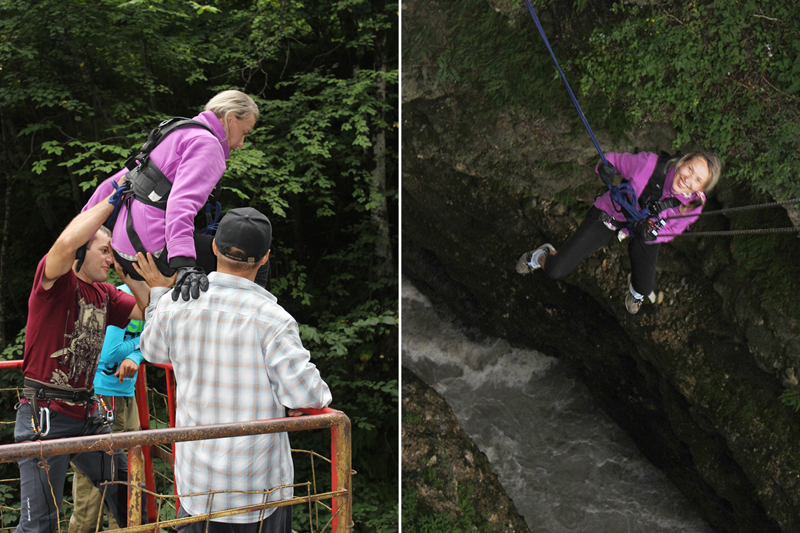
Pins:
x,y
444,472
696,379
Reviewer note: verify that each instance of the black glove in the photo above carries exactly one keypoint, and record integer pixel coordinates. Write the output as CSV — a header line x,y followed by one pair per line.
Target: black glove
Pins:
x,y
190,280
607,173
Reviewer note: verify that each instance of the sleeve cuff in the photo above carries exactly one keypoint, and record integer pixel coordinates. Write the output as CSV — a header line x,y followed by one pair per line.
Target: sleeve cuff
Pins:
x,y
181,261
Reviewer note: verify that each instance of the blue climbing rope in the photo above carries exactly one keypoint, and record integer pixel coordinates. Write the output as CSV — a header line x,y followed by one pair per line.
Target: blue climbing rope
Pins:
x,y
117,199
211,229
566,83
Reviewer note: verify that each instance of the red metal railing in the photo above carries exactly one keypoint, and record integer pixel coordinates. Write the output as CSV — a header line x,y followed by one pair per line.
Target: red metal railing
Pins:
x,y
146,439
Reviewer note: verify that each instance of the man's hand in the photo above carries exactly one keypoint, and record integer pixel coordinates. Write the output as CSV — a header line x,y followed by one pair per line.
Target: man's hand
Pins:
x,y
127,368
190,281
146,267
295,412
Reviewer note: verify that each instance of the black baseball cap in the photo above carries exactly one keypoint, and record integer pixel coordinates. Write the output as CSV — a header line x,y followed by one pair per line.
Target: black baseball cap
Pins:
x,y
248,230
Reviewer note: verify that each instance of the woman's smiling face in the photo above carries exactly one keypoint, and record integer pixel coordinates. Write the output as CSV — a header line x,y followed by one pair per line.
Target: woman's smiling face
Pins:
x,y
692,176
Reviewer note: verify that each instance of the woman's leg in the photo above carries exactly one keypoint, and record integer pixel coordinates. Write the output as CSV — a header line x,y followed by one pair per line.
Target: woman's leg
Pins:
x,y
643,266
205,253
589,237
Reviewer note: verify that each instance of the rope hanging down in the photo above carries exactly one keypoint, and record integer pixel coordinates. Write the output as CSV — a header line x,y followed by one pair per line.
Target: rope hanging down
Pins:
x,y
623,194
566,83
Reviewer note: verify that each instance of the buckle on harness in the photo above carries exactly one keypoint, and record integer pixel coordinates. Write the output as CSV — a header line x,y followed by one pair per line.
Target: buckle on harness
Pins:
x,y
607,221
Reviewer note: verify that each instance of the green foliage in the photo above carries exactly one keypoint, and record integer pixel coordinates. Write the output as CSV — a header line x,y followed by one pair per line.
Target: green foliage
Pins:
x,y
417,518
14,350
80,82
372,516
723,74
503,60
791,398
8,500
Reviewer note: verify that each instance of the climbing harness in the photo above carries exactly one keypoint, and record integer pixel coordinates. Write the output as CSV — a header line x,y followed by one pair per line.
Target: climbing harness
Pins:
x,y
147,184
643,217
33,392
643,214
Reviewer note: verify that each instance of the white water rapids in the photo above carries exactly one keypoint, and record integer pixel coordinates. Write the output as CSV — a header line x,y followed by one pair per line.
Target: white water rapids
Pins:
x,y
567,466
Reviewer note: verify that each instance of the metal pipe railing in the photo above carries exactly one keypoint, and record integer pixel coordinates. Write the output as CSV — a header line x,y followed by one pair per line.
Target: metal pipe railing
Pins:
x,y
338,422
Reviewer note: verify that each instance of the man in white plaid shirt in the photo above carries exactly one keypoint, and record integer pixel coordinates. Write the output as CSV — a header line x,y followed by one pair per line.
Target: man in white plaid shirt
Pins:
x,y
237,356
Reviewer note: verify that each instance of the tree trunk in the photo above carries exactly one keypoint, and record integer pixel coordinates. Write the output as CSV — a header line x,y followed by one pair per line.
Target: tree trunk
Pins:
x,y
380,213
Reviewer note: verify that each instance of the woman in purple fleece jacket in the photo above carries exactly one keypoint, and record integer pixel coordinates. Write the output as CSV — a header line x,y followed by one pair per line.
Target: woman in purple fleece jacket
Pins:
x,y
193,160
688,178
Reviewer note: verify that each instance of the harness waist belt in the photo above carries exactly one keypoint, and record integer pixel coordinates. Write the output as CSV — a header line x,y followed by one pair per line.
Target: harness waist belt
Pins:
x,y
35,390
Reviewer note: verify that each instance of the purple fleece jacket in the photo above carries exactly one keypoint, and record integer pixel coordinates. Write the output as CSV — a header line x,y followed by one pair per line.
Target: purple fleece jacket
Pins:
x,y
193,160
637,169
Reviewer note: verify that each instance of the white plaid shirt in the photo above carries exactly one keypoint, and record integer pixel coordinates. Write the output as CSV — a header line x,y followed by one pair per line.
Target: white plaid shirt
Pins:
x,y
237,356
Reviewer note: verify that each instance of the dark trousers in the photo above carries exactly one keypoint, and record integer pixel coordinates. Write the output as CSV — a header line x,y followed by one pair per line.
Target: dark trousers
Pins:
x,y
593,235
42,480
280,521
205,260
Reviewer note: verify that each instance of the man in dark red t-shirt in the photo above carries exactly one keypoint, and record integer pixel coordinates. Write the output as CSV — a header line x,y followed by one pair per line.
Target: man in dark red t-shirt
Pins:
x,y
69,308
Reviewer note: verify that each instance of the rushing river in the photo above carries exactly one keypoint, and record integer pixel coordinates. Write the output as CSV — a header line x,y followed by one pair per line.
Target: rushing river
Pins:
x,y
567,466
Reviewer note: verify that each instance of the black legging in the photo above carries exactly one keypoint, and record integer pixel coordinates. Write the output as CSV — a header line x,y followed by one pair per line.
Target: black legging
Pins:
x,y
593,235
205,260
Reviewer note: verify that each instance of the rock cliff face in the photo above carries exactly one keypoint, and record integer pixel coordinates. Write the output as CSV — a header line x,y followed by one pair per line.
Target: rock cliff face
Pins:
x,y
696,379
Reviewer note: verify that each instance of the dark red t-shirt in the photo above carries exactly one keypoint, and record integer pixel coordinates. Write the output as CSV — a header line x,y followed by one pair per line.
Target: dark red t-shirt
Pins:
x,y
65,330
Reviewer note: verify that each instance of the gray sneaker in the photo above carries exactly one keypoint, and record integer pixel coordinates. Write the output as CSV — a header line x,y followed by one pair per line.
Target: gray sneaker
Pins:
x,y
632,303
526,263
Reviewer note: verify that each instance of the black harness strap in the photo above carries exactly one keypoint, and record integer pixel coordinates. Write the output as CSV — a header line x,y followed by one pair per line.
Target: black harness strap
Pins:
x,y
149,185
655,185
43,392
648,205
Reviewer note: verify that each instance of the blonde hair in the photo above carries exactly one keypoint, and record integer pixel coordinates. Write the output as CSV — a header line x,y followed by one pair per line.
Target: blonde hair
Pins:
x,y
714,172
235,103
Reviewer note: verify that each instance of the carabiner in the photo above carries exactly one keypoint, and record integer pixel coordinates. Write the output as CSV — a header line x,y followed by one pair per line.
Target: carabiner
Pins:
x,y
44,415
108,414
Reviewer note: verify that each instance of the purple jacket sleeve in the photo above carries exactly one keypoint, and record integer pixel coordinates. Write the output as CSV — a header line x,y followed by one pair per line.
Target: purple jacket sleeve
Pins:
x,y
198,167
636,168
